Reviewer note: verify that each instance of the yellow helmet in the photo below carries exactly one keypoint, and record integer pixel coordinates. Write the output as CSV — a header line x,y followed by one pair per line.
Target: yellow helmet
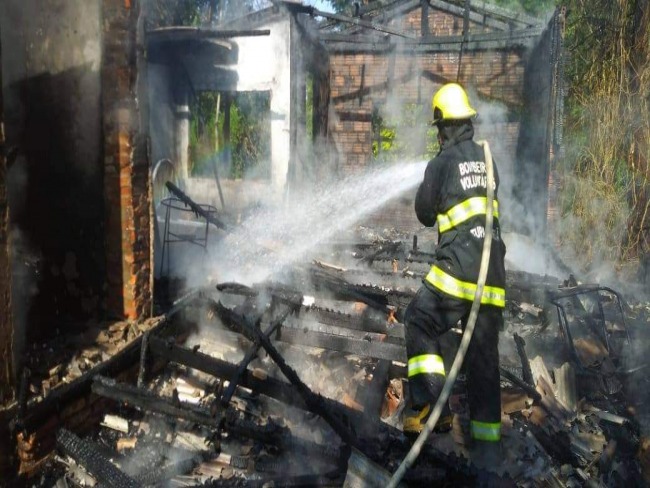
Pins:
x,y
451,103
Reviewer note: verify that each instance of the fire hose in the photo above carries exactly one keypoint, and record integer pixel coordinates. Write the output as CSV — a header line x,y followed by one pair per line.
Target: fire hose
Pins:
x,y
467,335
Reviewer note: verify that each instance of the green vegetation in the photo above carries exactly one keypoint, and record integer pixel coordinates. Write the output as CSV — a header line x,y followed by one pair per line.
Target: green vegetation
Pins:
x,y
250,135
605,174
407,137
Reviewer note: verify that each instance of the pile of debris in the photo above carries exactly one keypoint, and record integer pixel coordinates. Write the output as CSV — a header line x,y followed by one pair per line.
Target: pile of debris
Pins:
x,y
276,384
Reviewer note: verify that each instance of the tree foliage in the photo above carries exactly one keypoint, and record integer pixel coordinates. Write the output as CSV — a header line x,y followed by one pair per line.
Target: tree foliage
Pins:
x,y
405,137
249,150
606,175
164,13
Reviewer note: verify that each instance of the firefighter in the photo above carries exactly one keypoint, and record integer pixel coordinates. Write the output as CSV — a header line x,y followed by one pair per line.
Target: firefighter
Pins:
x,y
453,195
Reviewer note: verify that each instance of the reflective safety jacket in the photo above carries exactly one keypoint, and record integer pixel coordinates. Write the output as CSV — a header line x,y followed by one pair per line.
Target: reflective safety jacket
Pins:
x,y
454,194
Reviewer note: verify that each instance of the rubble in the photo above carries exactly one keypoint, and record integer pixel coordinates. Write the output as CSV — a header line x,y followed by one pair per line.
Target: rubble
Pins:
x,y
286,378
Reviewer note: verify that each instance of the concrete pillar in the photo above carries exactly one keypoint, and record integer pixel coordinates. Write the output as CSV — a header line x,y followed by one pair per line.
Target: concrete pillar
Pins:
x,y
182,132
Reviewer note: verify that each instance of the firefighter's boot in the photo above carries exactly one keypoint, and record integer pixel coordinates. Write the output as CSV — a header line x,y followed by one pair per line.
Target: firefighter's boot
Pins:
x,y
414,420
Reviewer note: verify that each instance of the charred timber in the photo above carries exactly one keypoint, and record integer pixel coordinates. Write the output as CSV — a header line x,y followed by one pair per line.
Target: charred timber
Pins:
x,y
314,402
430,47
196,208
346,291
355,21
512,378
279,390
270,387
364,347
521,35
87,455
36,412
150,402
482,11
166,472
525,363
250,355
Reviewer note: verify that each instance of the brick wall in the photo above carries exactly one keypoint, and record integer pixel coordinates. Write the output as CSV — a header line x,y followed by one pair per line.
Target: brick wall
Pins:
x,y
126,166
360,81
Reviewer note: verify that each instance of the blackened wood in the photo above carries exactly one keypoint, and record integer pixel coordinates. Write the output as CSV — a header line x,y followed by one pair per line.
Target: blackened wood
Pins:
x,y
196,208
360,347
250,355
315,403
149,402
532,392
87,455
377,389
121,361
525,363
270,387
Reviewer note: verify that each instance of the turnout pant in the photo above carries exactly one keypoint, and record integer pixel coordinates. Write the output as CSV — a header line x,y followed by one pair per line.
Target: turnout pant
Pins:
x,y
429,315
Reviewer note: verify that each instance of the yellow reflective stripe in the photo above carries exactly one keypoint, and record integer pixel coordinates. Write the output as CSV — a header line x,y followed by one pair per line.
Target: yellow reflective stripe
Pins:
x,y
464,211
492,295
486,431
426,364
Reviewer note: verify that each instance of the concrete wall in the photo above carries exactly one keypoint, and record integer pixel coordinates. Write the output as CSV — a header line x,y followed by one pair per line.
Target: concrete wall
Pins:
x,y
51,84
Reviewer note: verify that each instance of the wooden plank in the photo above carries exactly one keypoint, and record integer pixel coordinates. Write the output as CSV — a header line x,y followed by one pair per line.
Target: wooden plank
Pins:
x,y
539,370
565,382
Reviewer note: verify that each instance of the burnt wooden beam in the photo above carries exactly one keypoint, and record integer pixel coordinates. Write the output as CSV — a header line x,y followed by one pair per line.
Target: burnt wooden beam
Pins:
x,y
87,455
424,18
374,396
388,12
144,400
488,11
315,403
195,207
270,387
426,48
348,345
37,411
525,363
250,355
531,391
476,17
152,403
177,33
408,44
357,22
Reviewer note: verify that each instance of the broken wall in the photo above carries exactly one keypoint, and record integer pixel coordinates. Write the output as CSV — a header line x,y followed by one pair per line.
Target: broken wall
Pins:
x,y
127,188
363,82
360,81
51,84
